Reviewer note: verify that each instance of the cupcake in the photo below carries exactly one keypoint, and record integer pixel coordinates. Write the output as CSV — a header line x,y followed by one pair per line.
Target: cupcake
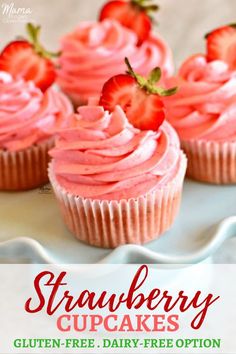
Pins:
x,y
30,114
95,51
29,120
204,110
118,175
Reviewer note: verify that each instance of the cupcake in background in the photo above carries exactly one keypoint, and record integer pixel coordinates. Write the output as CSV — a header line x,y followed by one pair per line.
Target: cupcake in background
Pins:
x,y
204,110
31,112
95,51
118,171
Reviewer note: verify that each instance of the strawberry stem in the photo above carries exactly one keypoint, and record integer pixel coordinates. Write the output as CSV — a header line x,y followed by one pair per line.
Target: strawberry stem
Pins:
x,y
149,84
146,5
154,76
34,34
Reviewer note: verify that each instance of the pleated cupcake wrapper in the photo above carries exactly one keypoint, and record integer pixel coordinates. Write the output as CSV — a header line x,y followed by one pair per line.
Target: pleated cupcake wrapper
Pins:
x,y
26,169
110,224
211,162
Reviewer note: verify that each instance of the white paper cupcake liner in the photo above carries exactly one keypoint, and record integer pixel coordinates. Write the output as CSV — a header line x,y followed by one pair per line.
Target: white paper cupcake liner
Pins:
x,y
211,162
110,224
26,169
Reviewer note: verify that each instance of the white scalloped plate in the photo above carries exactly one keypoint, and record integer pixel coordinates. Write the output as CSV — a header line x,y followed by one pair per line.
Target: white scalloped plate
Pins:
x,y
32,230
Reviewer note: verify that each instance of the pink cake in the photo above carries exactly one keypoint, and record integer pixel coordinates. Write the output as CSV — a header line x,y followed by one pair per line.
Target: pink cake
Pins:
x,y
29,120
204,114
116,184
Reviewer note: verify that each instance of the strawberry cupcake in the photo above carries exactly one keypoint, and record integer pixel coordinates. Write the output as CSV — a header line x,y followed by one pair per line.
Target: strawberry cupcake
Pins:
x,y
31,112
118,171
95,51
204,110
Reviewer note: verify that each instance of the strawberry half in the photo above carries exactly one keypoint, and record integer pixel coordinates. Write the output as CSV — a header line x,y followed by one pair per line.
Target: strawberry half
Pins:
x,y
29,60
139,97
221,45
134,14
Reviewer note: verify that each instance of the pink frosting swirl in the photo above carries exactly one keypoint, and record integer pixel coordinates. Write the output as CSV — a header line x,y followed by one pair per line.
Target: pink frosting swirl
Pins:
x,y
205,106
102,156
28,116
95,51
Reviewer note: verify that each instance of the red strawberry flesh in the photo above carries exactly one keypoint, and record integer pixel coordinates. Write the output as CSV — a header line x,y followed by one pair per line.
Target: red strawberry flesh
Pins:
x,y
131,14
221,45
140,98
118,90
29,60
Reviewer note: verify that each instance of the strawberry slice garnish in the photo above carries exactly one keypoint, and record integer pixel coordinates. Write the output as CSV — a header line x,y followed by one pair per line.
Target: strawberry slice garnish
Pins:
x,y
134,14
29,60
221,45
140,98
